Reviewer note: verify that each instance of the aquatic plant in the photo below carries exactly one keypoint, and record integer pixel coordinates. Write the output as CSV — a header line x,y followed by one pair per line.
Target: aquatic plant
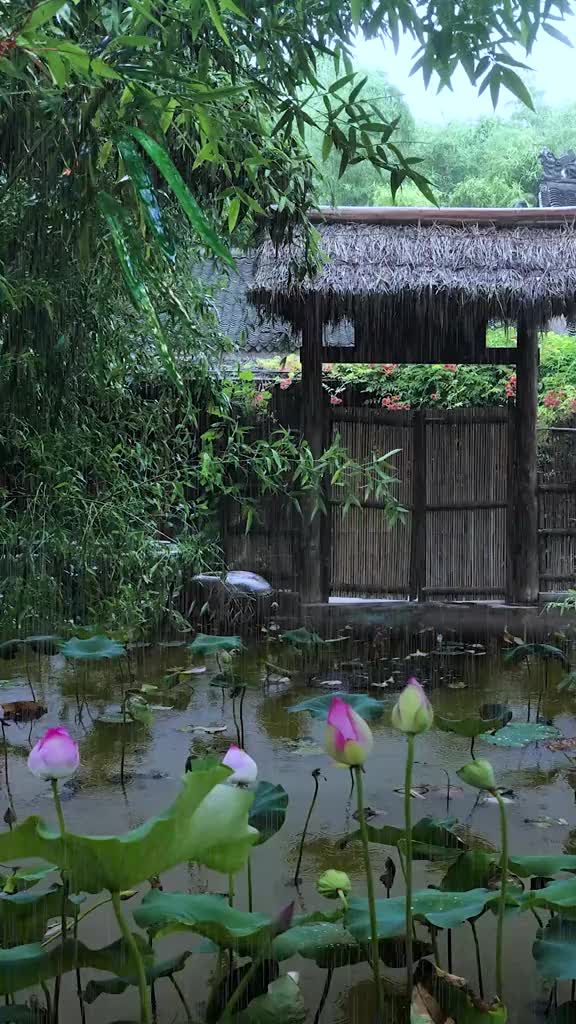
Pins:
x,y
412,714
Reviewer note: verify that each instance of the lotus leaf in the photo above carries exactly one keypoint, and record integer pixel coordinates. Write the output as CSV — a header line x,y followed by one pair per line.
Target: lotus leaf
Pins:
x,y
25,966
19,1015
442,909
319,707
211,916
92,649
473,869
542,865
207,823
116,986
565,1014
330,945
568,682
521,734
282,1004
24,915
268,811
205,645
555,949
545,651
469,727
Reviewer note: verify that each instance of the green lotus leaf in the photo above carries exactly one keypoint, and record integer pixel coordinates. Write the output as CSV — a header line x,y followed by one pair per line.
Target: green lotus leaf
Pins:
x,y
301,638
92,649
432,838
116,986
268,812
25,966
568,683
521,734
207,823
211,916
560,895
205,645
24,915
331,946
44,644
555,949
282,1004
442,909
469,727
542,865
319,707
545,651
473,869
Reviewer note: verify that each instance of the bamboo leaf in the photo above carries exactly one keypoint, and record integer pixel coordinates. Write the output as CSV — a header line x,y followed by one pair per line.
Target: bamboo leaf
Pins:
x,y
217,21
163,162
132,265
147,197
357,8
42,13
515,85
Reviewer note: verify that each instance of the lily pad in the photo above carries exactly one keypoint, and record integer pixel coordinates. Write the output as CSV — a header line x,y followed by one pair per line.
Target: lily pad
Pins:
x,y
116,986
542,866
282,1004
555,949
560,895
162,913
442,909
521,734
268,812
367,707
301,638
469,727
26,966
207,823
94,648
545,651
203,644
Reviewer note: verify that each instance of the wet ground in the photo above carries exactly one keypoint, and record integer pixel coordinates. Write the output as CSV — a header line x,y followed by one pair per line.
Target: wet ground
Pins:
x,y
287,747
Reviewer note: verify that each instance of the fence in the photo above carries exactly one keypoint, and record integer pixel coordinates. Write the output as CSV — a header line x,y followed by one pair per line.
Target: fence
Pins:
x,y
454,476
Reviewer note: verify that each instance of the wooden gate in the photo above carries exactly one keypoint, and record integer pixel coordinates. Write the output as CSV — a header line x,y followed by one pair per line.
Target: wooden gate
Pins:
x,y
453,480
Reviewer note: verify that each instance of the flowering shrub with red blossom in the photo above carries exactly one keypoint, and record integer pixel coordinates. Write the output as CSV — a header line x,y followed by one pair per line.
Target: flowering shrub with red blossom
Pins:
x,y
335,400
450,366
388,368
510,386
551,400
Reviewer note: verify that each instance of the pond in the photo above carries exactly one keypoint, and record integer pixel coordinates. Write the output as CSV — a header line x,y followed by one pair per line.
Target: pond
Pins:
x,y
193,714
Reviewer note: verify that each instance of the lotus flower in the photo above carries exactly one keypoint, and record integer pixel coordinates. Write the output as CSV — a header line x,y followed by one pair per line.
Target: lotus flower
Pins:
x,y
412,712
348,738
244,768
55,756
332,883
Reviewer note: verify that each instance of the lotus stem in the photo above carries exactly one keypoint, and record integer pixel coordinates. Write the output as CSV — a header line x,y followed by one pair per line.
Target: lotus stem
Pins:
x,y
231,890
316,777
371,897
408,866
48,1001
145,1008
502,901
241,715
434,942
241,988
79,991
238,734
250,887
324,996
449,950
123,752
62,826
478,960
472,745
182,999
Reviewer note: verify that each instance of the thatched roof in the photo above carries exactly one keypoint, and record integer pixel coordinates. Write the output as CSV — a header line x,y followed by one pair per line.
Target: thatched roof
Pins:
x,y
410,274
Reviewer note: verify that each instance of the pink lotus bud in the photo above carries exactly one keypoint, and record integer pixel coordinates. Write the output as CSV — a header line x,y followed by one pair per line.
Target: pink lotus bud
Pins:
x,y
348,738
412,712
55,756
244,768
283,920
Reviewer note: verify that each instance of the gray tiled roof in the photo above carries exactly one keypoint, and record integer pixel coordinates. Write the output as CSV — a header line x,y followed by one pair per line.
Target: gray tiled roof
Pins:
x,y
241,322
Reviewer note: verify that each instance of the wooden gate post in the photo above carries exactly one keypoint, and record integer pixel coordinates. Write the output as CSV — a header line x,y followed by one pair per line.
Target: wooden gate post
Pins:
x,y
523,571
314,538
417,580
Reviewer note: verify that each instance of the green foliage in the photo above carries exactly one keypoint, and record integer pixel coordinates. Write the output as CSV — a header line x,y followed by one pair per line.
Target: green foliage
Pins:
x,y
469,727
162,913
367,707
555,949
521,734
25,966
282,1004
268,812
207,823
441,909
93,649
203,644
116,986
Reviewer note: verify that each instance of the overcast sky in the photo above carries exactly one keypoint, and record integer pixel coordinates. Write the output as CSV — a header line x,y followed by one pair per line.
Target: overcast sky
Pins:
x,y
553,73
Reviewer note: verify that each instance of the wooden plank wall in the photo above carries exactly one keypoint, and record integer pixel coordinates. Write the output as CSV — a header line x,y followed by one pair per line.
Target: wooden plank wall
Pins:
x,y
463,530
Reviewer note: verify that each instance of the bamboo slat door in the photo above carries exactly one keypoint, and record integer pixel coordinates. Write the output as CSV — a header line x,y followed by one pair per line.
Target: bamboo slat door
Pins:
x,y
454,466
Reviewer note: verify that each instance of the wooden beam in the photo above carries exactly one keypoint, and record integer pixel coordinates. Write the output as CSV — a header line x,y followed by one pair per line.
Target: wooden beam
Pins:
x,y
347,354
522,575
313,574
431,215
